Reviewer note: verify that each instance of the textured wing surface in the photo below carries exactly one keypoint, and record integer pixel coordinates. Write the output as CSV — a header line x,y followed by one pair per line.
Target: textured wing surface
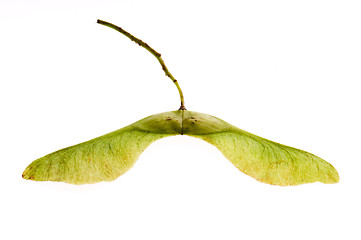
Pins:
x,y
264,160
104,158
101,159
270,162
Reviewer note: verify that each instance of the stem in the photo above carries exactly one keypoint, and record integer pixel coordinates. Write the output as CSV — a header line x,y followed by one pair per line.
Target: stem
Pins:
x,y
152,51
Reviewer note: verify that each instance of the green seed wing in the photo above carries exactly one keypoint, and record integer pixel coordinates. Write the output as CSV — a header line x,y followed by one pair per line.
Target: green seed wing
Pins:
x,y
102,159
264,160
270,162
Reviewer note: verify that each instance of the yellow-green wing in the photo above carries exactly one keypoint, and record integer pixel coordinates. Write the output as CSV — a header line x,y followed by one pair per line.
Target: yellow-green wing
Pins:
x,y
264,160
104,158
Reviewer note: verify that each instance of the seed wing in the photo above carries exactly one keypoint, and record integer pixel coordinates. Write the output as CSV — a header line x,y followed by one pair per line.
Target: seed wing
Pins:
x,y
262,159
104,158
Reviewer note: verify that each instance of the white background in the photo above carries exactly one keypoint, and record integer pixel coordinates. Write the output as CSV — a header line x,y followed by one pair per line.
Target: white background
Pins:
x,y
286,70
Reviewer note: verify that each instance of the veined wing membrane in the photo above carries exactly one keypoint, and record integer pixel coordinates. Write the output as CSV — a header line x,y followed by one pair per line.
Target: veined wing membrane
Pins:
x,y
262,159
104,158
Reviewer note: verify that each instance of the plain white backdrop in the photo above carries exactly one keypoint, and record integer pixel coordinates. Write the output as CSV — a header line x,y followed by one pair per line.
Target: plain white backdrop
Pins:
x,y
288,71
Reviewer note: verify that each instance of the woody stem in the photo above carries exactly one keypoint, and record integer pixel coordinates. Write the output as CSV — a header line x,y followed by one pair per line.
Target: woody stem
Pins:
x,y
152,51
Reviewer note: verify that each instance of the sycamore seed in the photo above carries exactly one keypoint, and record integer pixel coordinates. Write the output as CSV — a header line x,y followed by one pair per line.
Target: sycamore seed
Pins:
x,y
107,157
